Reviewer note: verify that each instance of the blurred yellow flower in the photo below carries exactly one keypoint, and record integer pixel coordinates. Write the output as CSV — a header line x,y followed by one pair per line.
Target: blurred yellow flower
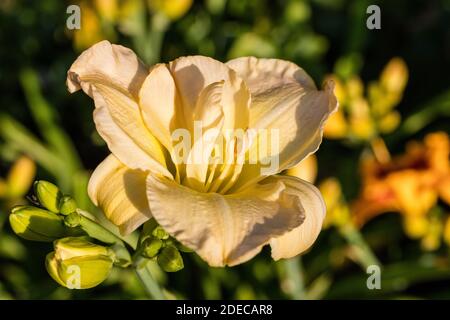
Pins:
x,y
410,184
338,213
99,18
96,16
107,9
19,179
305,170
173,9
365,117
225,211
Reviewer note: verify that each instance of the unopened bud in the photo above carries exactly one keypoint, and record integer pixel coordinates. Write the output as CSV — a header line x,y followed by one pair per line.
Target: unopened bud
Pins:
x,y
48,195
170,259
72,220
160,233
67,205
78,263
151,247
36,224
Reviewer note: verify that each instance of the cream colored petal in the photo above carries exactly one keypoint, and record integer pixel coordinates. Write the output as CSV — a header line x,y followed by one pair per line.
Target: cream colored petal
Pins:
x,y
301,238
209,117
286,103
118,120
120,193
112,75
192,74
262,75
223,230
109,64
160,104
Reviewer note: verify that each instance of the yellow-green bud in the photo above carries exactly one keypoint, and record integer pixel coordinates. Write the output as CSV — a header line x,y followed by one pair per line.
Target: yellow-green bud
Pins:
x,y
36,224
152,247
78,263
72,220
160,233
48,195
67,205
170,259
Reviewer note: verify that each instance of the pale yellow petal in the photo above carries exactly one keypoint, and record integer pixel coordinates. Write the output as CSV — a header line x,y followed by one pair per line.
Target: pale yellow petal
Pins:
x,y
112,75
223,229
262,75
160,104
209,116
301,238
192,74
120,193
109,64
118,120
286,103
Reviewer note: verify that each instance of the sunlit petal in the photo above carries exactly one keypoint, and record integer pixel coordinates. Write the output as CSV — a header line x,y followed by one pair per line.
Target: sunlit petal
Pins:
x,y
192,74
223,229
301,238
284,99
112,76
120,194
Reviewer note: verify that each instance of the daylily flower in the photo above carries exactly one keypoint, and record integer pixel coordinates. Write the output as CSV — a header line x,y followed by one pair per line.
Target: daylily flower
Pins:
x,y
410,184
367,112
18,181
226,212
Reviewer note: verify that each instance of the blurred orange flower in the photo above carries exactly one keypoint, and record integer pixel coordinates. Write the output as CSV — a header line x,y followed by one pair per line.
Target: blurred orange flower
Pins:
x,y
409,184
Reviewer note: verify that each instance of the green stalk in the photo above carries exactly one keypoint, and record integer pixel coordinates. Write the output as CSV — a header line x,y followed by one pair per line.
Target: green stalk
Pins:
x,y
150,284
294,274
92,228
363,254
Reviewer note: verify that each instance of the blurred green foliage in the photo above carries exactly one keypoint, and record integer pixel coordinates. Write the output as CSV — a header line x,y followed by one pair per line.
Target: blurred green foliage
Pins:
x,y
40,119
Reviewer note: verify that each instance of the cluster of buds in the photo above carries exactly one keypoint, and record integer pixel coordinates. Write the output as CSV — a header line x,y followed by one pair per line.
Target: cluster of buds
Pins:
x,y
44,224
77,262
84,252
156,244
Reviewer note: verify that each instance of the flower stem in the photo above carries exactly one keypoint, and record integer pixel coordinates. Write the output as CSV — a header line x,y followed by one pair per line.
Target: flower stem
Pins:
x,y
294,274
361,250
95,230
151,286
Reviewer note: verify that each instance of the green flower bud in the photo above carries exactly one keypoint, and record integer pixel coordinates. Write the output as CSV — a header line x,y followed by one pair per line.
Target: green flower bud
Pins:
x,y
72,220
160,233
36,224
78,263
67,205
151,247
48,195
170,259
